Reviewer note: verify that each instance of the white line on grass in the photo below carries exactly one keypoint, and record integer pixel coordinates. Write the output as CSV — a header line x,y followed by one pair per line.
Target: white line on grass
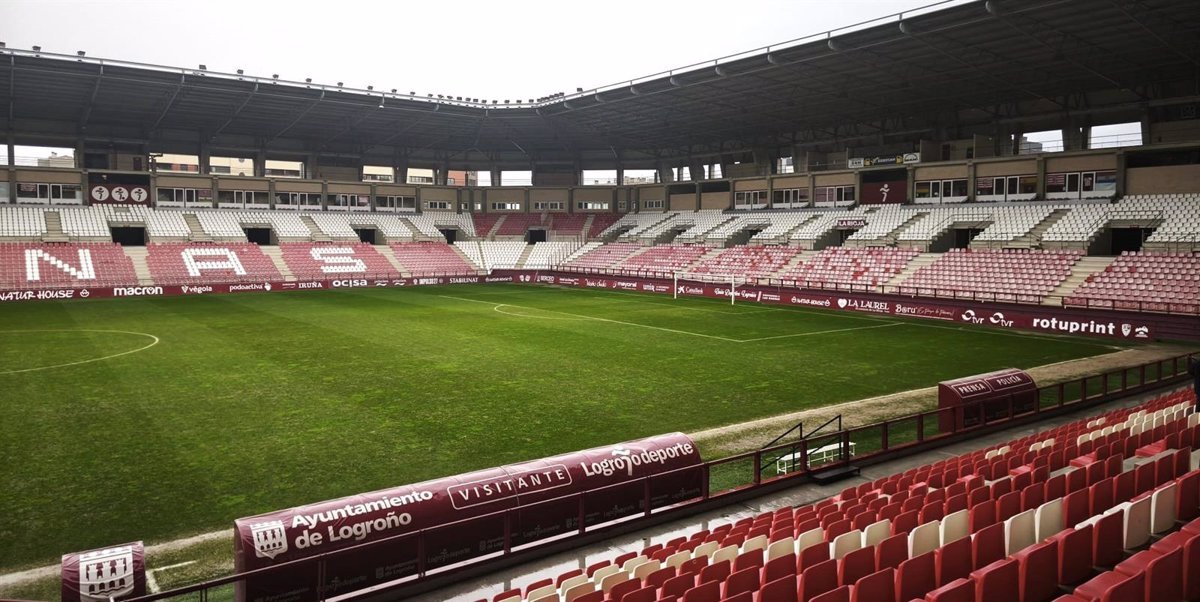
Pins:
x,y
807,334
580,316
509,313
496,308
96,359
152,583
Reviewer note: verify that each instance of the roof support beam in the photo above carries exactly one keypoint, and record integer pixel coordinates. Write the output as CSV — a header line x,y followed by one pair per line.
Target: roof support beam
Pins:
x,y
293,123
236,112
91,102
170,103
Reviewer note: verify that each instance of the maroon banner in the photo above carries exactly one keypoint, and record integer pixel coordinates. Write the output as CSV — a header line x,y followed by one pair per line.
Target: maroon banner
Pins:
x,y
51,294
97,575
512,505
883,193
978,314
985,395
119,194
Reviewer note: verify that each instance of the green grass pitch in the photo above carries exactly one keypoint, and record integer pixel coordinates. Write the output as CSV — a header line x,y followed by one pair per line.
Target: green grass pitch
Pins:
x,y
251,403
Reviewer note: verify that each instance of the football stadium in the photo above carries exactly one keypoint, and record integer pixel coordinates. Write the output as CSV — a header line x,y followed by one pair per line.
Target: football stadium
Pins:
x,y
903,310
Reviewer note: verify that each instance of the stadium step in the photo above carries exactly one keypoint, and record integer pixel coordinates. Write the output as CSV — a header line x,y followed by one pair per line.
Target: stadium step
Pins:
x,y
800,258
418,236
1079,273
387,253
917,263
524,256
141,268
54,231
276,256
467,258
317,234
587,227
581,251
197,231
1034,236
491,234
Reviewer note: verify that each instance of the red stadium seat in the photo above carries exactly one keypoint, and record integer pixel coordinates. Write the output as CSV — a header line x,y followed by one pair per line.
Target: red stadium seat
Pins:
x,y
916,576
818,579
1039,571
997,582
880,585
779,590
953,561
959,590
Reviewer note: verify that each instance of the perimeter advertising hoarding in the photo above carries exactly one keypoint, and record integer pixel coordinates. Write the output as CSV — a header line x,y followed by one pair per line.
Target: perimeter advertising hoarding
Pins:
x,y
98,575
975,314
609,479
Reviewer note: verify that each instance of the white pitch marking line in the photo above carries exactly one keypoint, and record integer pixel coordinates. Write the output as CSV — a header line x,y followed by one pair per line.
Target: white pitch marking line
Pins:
x,y
508,313
694,334
97,359
152,583
806,334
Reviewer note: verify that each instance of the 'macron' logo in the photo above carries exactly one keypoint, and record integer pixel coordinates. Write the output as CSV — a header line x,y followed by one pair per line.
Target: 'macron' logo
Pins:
x,y
270,540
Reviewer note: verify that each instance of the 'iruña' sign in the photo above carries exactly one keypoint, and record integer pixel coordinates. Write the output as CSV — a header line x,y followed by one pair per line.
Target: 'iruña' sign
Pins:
x,y
542,499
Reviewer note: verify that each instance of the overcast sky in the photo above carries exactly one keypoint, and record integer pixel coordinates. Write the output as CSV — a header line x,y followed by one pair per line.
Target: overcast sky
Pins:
x,y
470,48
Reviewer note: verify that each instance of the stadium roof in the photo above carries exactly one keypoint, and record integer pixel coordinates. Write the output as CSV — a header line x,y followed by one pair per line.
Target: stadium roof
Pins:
x,y
936,73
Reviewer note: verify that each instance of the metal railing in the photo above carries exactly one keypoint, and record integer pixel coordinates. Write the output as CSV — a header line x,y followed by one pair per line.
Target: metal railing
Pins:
x,y
738,473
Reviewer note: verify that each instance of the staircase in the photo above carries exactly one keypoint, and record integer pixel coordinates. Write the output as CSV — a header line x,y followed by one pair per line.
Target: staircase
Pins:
x,y
581,251
587,227
419,236
276,256
1079,272
890,239
387,253
466,259
193,223
917,263
141,267
317,234
54,231
491,234
1033,238
800,258
524,256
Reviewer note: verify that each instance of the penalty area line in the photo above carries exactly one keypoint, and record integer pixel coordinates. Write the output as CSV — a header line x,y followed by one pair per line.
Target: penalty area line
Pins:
x,y
807,334
594,318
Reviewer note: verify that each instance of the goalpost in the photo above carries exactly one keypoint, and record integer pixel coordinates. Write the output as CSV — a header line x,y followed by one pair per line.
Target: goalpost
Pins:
x,y
684,278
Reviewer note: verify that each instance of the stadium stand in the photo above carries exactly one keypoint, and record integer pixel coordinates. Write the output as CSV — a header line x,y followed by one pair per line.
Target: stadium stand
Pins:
x,y
604,257
601,222
427,223
545,255
221,225
1105,507
517,224
568,224
1023,276
666,259
748,262
316,261
491,255
22,222
26,266
849,267
84,223
391,226
432,259
209,263
821,226
334,225
781,226
1146,281
485,223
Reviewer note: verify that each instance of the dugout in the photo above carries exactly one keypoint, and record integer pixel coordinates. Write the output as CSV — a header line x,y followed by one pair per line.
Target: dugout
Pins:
x,y
973,400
